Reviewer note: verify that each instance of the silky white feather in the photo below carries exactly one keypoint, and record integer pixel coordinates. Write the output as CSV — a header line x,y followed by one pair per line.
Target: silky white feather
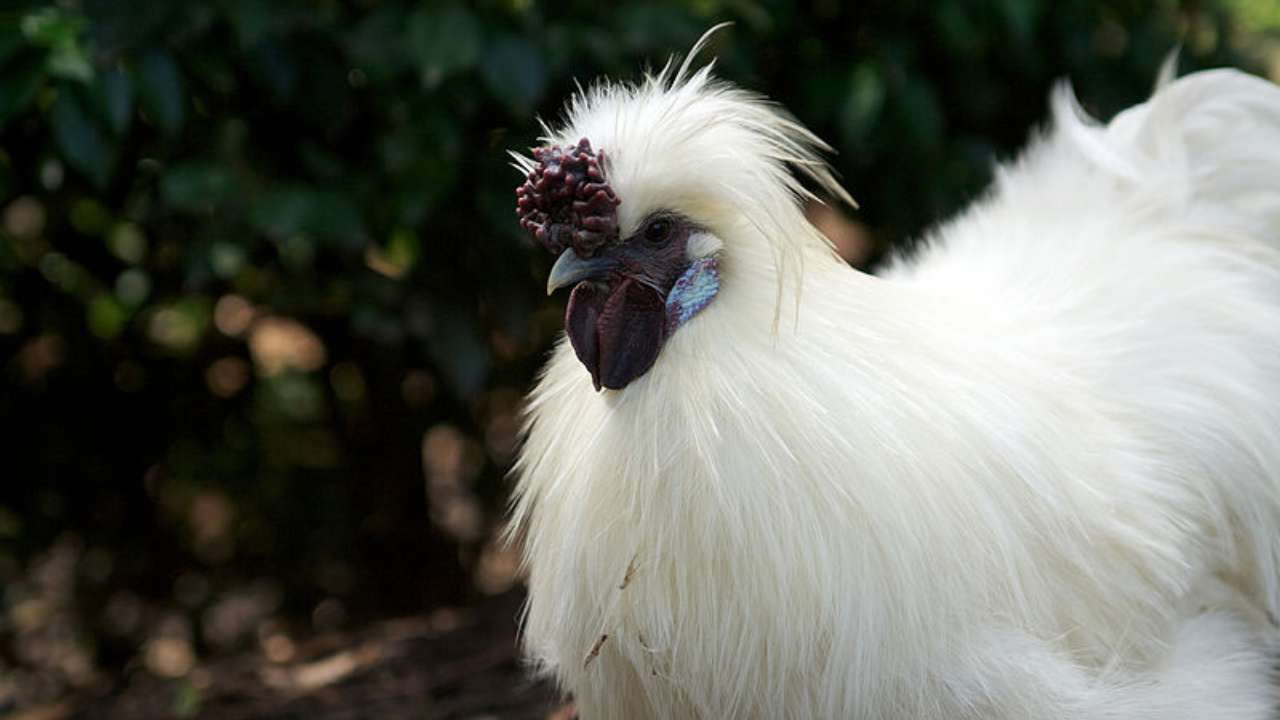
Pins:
x,y
1031,471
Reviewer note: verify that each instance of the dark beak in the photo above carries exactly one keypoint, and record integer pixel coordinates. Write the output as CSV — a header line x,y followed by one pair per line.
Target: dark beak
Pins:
x,y
570,268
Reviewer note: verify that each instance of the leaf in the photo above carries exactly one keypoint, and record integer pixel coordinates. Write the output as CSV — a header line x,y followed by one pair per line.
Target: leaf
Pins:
x,y
197,185
864,102
117,99
20,82
921,113
329,215
125,27
458,348
85,145
276,67
226,258
251,20
648,27
1021,17
320,161
372,47
398,256
61,32
12,43
515,71
418,190
442,39
133,286
51,26
70,61
283,209
336,219
179,326
160,88
106,316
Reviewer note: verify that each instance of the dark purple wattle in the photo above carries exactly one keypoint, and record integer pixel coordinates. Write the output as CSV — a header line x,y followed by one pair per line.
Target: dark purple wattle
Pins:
x,y
616,333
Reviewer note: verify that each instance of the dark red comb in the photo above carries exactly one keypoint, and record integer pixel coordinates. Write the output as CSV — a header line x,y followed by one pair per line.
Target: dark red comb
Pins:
x,y
566,200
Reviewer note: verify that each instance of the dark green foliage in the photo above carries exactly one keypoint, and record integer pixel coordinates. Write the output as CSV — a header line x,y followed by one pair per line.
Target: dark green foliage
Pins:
x,y
259,264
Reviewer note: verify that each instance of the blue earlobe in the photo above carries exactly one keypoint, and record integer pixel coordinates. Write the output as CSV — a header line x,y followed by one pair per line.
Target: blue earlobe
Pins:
x,y
692,292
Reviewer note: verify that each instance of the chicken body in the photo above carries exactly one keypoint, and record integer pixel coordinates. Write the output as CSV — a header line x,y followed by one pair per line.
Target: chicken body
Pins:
x,y
1030,471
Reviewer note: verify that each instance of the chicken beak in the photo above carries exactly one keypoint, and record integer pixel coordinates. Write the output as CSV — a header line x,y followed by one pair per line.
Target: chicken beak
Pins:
x,y
570,268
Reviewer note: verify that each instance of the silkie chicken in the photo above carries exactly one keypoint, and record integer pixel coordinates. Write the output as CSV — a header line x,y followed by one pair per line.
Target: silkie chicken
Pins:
x,y
1030,470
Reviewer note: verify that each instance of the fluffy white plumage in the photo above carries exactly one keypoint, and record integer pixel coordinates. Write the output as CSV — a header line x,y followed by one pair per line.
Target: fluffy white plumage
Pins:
x,y
1031,471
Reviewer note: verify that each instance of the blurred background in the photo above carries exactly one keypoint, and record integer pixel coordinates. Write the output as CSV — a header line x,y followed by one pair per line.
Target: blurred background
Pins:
x,y
266,317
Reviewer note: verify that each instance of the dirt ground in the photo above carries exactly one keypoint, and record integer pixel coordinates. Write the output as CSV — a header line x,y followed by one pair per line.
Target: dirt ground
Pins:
x,y
452,664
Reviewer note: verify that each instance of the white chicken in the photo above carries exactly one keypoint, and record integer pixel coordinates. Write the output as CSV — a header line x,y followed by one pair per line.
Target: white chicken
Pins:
x,y
1030,471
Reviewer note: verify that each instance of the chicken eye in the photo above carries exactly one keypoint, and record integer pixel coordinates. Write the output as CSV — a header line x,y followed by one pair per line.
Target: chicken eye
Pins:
x,y
659,230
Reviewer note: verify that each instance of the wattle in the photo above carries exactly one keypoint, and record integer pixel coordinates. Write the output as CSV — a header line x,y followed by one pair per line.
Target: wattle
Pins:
x,y
615,331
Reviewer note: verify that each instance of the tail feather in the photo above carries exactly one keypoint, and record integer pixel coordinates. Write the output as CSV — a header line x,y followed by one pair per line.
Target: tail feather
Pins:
x,y
1208,139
